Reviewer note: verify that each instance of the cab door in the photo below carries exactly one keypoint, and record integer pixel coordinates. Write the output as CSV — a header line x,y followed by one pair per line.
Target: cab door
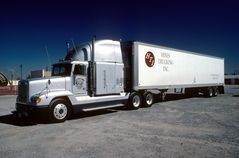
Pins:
x,y
80,79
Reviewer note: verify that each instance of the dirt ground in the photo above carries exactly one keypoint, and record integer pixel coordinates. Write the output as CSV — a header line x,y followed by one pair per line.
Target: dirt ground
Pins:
x,y
179,127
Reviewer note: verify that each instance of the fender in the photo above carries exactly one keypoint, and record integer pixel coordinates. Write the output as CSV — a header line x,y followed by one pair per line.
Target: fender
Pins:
x,y
47,97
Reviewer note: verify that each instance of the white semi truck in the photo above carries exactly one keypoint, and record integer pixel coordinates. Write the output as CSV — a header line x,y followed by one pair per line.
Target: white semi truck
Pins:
x,y
106,73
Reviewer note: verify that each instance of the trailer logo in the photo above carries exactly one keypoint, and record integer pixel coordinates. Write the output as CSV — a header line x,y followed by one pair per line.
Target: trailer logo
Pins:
x,y
149,59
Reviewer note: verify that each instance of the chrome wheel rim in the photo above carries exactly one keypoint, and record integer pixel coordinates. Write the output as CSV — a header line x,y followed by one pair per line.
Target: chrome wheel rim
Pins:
x,y
149,99
210,92
136,101
60,111
216,92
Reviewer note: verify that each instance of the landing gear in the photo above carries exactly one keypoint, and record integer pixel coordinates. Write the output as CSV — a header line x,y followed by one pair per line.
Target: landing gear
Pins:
x,y
163,95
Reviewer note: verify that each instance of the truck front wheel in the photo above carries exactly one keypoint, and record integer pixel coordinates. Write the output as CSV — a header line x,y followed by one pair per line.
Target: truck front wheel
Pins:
x,y
59,110
134,101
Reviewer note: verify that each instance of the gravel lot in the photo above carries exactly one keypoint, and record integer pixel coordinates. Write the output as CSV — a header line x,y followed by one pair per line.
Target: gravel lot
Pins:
x,y
179,127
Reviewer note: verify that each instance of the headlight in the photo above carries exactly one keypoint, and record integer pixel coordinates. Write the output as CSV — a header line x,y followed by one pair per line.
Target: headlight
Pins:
x,y
36,99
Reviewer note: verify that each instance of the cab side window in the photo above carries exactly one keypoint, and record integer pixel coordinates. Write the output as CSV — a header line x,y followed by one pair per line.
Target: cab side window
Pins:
x,y
79,70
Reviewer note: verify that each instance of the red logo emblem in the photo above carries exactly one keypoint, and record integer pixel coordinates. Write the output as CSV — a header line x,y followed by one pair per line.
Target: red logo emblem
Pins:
x,y
149,59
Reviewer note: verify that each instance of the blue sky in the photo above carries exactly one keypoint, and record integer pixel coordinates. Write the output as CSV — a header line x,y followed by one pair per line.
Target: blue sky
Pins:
x,y
26,28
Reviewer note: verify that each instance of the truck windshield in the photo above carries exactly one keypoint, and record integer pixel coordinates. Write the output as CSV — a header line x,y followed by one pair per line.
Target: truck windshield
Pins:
x,y
61,70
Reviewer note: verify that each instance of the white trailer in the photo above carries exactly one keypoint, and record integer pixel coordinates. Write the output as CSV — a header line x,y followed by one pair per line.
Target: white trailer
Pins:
x,y
157,67
152,67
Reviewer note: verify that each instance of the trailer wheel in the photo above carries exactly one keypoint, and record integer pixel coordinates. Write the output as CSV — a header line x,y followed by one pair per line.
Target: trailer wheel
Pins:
x,y
59,111
209,92
215,91
148,99
134,101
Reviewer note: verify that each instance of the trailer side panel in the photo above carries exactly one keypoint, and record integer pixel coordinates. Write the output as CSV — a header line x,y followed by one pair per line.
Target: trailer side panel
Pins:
x,y
157,67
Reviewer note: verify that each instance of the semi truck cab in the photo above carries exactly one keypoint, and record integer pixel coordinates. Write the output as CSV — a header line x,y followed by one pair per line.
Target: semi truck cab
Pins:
x,y
82,81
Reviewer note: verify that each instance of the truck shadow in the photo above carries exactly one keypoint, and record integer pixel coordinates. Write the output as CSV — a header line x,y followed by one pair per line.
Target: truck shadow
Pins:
x,y
172,97
12,119
80,115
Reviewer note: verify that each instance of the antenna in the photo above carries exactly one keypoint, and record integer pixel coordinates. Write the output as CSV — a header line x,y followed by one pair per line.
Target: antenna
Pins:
x,y
49,60
73,45
67,46
21,70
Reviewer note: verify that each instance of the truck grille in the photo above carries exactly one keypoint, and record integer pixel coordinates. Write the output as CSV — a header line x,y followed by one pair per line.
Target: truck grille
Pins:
x,y
23,90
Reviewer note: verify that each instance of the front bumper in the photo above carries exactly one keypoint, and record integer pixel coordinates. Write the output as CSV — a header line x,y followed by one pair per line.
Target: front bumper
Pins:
x,y
29,110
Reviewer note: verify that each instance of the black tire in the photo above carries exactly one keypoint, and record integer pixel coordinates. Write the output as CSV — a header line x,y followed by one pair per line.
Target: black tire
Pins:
x,y
59,111
134,101
209,92
148,99
215,91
